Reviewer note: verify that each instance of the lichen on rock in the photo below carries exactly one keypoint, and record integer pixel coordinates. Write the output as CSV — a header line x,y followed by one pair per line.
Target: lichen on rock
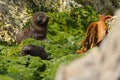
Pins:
x,y
13,16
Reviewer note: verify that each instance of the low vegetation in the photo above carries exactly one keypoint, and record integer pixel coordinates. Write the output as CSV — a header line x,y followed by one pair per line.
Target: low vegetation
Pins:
x,y
64,32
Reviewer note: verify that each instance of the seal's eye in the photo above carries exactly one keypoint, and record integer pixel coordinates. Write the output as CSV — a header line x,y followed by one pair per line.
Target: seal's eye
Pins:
x,y
40,17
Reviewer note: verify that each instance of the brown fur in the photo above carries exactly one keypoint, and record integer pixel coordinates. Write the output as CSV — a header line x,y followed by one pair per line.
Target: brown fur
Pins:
x,y
96,32
37,28
34,51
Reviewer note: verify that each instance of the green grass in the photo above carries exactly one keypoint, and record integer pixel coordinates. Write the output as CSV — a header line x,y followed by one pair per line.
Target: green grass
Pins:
x,y
64,32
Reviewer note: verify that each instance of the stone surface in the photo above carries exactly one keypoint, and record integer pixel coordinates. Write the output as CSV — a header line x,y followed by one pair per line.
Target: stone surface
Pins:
x,y
14,14
101,63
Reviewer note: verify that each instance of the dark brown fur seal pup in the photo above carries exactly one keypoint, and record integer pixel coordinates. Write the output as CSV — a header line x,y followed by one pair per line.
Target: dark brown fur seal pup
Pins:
x,y
34,51
37,28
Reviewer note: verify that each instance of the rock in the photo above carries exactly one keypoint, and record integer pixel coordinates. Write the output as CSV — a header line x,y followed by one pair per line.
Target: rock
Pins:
x,y
101,63
14,14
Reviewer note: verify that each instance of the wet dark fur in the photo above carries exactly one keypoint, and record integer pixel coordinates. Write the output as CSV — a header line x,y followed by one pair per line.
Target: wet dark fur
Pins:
x,y
37,28
34,51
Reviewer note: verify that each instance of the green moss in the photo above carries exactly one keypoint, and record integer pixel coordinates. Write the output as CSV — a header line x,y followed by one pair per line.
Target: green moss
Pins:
x,y
64,31
4,77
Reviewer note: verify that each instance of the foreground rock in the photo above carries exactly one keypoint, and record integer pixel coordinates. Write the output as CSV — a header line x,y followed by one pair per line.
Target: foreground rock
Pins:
x,y
100,64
